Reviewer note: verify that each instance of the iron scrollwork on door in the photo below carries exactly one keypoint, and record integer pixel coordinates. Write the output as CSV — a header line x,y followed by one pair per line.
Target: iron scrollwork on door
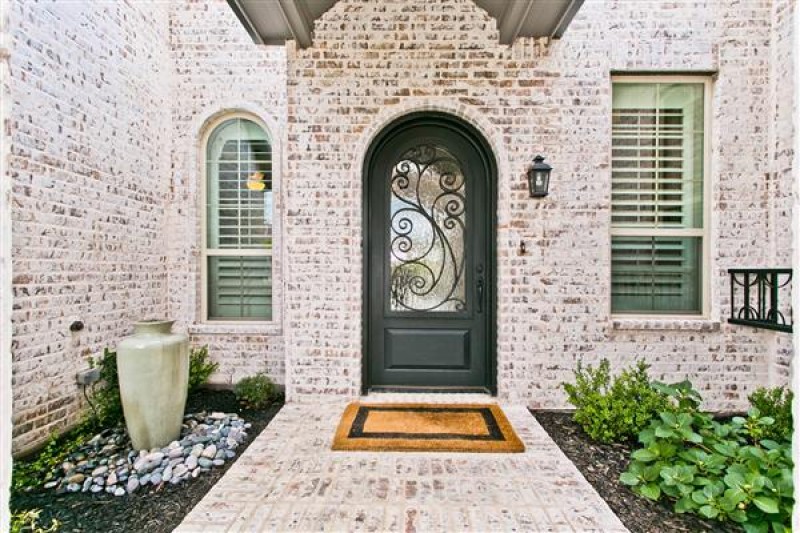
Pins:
x,y
427,231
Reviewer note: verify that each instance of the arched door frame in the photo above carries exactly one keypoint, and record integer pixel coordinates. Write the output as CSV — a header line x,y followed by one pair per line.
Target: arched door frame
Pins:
x,y
471,133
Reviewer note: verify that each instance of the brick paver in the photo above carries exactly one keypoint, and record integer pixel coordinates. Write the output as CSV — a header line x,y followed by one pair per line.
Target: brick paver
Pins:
x,y
290,480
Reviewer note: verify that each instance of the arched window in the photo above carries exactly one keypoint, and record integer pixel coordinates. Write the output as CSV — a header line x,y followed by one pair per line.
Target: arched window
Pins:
x,y
238,199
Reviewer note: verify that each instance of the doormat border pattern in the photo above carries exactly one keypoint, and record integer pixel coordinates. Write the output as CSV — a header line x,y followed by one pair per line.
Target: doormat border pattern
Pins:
x,y
501,438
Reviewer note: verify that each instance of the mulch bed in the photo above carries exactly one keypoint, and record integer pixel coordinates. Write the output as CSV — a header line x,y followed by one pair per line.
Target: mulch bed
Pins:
x,y
157,512
602,464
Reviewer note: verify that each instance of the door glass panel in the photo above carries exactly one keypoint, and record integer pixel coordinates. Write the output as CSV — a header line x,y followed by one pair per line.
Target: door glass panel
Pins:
x,y
426,232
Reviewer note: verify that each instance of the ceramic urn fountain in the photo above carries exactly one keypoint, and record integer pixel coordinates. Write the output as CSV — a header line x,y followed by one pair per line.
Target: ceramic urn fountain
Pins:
x,y
153,366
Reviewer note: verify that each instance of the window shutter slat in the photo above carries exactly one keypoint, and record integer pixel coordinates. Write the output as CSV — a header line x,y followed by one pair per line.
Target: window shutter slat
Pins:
x,y
656,186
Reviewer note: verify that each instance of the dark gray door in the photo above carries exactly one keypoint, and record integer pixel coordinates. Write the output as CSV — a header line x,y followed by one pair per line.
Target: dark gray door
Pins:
x,y
429,262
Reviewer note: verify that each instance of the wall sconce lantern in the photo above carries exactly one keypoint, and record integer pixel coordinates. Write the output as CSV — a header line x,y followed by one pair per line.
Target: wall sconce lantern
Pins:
x,y
539,177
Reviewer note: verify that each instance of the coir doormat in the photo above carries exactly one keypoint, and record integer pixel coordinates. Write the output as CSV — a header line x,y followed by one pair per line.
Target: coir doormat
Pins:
x,y
427,428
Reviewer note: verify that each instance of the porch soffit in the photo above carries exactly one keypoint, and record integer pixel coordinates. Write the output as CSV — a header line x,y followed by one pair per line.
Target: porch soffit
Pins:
x,y
276,21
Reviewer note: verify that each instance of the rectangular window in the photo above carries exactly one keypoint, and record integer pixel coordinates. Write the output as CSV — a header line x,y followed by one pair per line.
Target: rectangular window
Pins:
x,y
658,199
238,248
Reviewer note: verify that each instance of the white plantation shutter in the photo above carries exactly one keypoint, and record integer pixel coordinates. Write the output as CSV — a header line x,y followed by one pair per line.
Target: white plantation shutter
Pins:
x,y
655,274
657,198
239,222
648,167
240,286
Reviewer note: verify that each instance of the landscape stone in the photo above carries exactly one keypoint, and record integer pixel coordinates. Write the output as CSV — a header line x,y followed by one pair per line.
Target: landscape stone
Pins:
x,y
176,452
209,452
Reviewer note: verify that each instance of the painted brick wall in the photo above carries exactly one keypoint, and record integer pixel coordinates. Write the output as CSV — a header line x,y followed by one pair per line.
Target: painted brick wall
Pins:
x,y
372,61
217,68
89,168
105,173
6,303
782,152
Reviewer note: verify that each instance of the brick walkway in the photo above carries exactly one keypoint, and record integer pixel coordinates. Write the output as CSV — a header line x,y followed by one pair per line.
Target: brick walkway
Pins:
x,y
290,480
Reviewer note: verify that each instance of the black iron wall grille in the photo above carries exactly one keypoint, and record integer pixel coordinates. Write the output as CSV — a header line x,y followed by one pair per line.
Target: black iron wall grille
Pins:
x,y
761,297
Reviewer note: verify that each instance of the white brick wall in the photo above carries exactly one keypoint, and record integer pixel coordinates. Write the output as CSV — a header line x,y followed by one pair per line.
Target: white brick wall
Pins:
x,y
89,166
782,156
217,68
5,278
110,100
410,54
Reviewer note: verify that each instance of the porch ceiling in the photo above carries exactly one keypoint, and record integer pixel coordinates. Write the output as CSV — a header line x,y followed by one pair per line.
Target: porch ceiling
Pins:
x,y
276,21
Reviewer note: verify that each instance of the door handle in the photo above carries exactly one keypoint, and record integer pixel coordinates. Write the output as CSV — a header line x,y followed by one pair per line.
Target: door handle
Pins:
x,y
480,295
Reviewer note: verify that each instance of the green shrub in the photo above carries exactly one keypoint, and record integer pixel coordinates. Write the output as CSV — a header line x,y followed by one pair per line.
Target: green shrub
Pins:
x,y
200,368
27,522
105,399
613,412
255,392
775,403
38,471
105,411
726,471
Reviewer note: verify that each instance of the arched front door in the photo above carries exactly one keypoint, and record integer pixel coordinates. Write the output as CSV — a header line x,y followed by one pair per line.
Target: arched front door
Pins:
x,y
429,262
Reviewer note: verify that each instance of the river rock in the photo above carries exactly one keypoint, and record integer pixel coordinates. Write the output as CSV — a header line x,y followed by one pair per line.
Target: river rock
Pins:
x,y
209,452
155,457
175,453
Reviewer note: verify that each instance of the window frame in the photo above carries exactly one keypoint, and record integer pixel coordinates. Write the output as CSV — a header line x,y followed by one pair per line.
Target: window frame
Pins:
x,y
703,233
209,129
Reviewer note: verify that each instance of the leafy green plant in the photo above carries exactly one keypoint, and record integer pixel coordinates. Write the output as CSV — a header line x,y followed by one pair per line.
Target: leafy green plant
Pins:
x,y
725,471
105,400
106,411
200,367
53,453
613,411
28,522
775,403
255,392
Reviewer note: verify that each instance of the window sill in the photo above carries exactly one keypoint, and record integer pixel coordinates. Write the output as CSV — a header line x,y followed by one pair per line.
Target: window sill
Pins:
x,y
235,329
661,324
